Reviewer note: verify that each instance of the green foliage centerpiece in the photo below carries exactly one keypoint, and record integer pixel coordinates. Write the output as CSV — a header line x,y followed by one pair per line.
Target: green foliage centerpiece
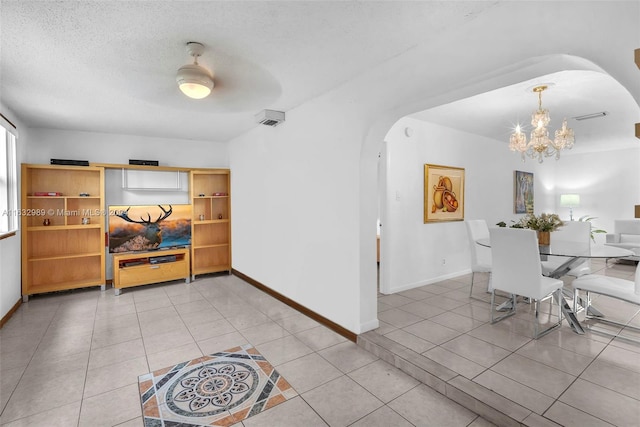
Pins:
x,y
544,224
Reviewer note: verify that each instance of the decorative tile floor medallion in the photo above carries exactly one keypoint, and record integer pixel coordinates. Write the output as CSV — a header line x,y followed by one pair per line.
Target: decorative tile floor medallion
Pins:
x,y
216,390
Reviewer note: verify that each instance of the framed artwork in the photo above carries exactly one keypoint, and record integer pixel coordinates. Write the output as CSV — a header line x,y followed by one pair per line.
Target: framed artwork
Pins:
x,y
523,192
443,193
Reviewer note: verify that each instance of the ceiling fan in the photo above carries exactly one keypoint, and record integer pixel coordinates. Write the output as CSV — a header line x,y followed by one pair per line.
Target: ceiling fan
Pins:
x,y
194,80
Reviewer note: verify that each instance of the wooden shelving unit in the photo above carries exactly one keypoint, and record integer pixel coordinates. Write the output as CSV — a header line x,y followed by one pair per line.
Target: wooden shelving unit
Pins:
x,y
68,250
60,250
211,223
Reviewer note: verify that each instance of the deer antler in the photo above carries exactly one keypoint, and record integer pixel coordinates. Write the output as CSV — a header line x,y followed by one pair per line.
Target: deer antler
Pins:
x,y
125,215
163,215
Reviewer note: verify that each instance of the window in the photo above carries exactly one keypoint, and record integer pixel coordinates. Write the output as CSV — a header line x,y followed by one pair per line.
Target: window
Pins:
x,y
8,179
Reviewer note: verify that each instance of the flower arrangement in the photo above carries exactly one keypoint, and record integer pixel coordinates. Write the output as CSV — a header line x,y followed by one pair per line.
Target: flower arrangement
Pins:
x,y
543,222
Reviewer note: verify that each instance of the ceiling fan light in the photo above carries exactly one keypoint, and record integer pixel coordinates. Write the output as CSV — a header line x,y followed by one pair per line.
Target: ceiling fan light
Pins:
x,y
194,81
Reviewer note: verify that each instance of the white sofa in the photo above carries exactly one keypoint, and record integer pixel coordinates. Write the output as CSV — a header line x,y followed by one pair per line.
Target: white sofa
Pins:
x,y
626,234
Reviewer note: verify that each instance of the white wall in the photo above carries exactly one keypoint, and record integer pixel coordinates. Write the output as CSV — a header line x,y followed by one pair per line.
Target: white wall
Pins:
x,y
608,183
295,209
415,253
99,147
10,264
305,209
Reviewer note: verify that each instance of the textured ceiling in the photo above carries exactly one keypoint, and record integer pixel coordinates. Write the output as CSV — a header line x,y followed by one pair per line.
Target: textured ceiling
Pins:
x,y
110,66
495,114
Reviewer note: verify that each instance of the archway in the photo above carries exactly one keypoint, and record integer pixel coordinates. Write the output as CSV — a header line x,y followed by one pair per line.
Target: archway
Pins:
x,y
373,143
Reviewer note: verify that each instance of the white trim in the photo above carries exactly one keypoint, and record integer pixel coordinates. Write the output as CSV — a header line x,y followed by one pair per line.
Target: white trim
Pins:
x,y
369,326
8,126
8,178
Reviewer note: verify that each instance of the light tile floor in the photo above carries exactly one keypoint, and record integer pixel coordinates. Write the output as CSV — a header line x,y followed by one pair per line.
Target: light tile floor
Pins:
x,y
73,358
571,379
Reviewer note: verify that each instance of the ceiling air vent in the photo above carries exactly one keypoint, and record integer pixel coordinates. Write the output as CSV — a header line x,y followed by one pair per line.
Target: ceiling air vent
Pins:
x,y
270,117
592,115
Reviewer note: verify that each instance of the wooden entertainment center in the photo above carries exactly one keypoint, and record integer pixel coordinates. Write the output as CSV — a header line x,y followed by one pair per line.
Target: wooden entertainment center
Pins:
x,y
143,268
63,224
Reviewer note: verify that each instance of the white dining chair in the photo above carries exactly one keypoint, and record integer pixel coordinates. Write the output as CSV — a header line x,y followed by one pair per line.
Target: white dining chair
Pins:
x,y
480,255
614,287
571,231
516,270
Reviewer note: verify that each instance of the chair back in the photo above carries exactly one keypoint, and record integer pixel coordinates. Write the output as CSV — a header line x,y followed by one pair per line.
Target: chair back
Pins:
x,y
480,255
516,261
573,231
626,226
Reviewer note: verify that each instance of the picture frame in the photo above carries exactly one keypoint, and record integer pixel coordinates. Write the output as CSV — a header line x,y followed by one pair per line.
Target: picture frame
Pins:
x,y
523,194
443,193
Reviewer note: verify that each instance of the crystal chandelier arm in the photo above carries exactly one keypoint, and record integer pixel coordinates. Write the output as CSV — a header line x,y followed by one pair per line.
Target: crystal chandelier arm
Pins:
x,y
564,137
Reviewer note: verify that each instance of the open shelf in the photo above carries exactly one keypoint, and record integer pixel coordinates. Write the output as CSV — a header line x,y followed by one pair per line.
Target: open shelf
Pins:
x,y
63,227
62,253
65,256
57,274
211,225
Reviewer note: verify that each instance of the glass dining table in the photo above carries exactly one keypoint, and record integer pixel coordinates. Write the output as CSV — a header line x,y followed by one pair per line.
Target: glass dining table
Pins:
x,y
575,253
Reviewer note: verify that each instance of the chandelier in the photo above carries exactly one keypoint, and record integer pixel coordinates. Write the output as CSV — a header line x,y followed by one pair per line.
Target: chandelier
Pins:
x,y
540,145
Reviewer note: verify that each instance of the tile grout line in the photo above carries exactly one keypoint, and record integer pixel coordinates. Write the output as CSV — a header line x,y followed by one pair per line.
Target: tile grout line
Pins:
x,y
447,383
576,380
524,344
86,373
464,333
29,363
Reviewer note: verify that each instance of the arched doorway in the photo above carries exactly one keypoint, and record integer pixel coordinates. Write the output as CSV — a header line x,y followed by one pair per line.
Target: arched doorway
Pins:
x,y
374,194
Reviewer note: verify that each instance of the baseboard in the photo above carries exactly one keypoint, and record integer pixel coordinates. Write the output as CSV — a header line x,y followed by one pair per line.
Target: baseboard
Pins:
x,y
409,286
299,307
7,316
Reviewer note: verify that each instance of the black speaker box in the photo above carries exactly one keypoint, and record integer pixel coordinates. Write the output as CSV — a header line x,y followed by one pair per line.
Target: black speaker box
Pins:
x,y
69,162
143,162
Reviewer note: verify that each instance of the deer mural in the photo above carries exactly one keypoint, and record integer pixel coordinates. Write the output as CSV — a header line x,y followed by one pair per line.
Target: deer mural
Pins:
x,y
152,231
